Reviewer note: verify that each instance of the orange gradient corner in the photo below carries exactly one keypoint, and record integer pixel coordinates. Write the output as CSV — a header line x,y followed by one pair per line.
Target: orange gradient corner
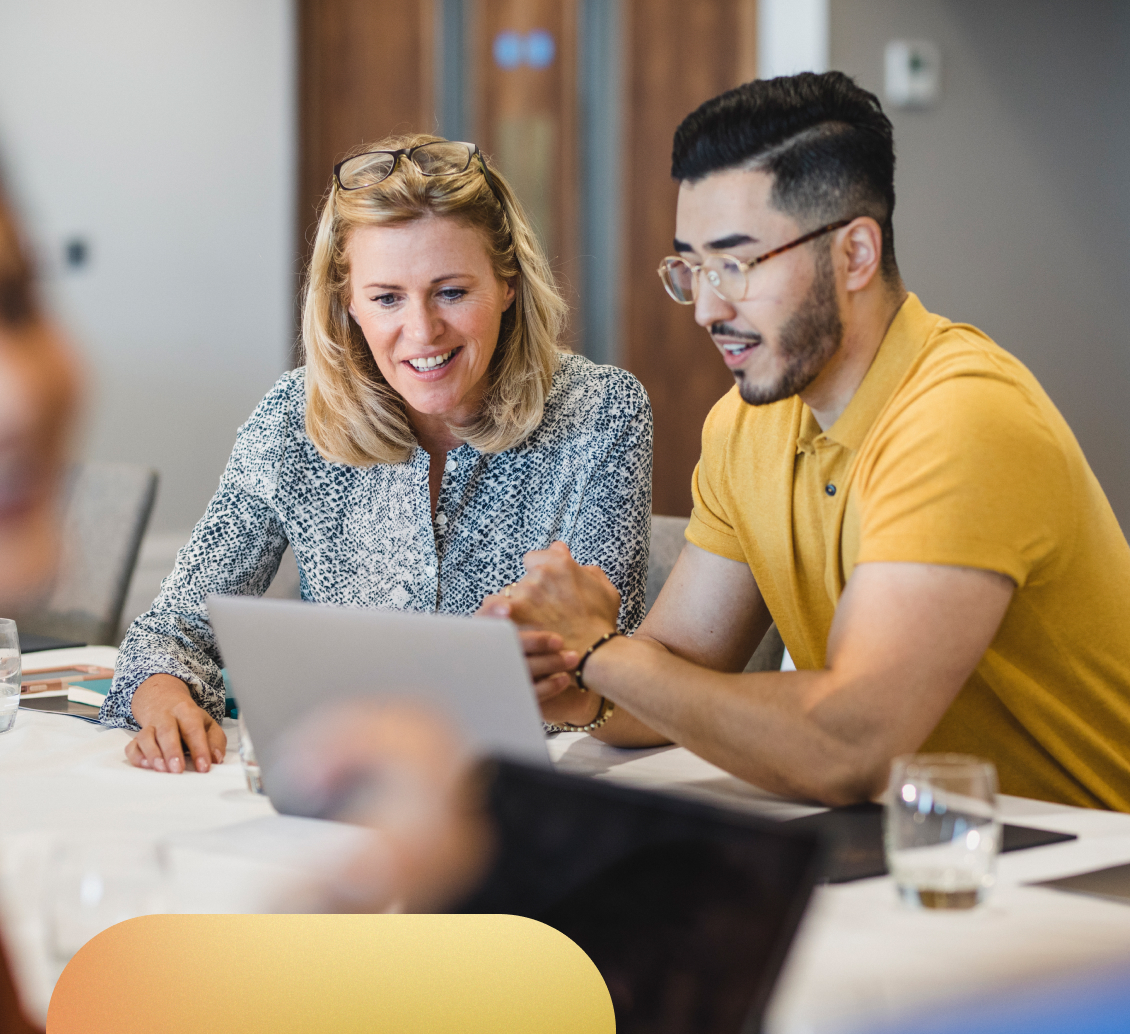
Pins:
x,y
247,974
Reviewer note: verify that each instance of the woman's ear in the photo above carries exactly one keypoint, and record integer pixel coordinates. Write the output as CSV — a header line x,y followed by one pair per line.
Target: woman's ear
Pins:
x,y
511,292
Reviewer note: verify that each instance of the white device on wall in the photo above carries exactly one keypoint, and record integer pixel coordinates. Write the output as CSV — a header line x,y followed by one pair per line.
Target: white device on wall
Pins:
x,y
913,76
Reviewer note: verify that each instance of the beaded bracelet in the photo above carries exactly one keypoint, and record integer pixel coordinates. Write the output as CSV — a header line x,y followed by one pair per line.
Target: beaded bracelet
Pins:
x,y
604,712
588,653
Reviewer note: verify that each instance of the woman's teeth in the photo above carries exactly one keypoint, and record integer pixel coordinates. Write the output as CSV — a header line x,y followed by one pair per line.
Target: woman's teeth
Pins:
x,y
431,362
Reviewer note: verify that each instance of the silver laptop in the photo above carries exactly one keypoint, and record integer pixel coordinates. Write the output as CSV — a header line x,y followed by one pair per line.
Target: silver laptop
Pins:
x,y
287,660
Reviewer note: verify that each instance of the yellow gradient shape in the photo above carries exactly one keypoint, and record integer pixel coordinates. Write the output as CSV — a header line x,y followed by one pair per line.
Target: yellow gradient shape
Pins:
x,y
246,974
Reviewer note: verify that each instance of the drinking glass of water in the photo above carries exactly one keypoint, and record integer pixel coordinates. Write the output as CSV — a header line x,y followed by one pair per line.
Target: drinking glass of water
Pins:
x,y
91,882
248,759
10,669
941,829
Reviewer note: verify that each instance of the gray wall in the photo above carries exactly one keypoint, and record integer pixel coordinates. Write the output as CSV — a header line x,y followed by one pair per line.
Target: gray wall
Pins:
x,y
163,133
1013,208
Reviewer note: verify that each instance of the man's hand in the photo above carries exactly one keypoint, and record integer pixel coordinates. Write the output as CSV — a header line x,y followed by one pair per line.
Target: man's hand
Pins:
x,y
171,724
579,603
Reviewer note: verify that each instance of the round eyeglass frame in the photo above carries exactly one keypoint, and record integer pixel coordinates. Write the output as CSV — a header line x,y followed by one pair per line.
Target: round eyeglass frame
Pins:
x,y
712,277
408,154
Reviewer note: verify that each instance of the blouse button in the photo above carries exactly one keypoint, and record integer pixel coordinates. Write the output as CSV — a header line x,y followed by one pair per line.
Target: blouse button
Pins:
x,y
451,463
429,570
441,519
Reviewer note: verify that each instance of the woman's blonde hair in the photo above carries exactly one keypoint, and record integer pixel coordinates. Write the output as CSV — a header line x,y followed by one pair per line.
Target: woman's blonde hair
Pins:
x,y
352,413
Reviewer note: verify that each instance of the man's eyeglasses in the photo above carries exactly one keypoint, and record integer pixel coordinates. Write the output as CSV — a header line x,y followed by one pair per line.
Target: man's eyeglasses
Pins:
x,y
440,158
728,277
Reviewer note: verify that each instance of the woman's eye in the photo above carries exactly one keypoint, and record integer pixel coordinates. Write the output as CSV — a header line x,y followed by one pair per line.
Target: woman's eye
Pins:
x,y
385,301
452,294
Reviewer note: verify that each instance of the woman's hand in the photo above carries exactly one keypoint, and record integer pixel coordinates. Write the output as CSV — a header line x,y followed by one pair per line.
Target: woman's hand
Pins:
x,y
551,667
172,723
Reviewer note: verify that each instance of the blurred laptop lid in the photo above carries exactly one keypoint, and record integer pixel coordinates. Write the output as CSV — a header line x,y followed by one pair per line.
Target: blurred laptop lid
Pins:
x,y
287,659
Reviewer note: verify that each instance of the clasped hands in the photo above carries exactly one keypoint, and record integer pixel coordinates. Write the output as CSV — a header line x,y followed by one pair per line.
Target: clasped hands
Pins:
x,y
561,609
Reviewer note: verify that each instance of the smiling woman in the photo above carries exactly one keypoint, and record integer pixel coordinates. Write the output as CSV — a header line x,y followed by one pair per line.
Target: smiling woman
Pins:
x,y
437,433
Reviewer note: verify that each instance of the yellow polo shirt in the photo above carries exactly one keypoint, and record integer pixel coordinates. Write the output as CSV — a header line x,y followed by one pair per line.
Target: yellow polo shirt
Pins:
x,y
950,452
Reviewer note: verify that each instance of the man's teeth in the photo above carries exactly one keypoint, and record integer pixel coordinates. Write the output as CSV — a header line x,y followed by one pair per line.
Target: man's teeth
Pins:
x,y
738,349
431,362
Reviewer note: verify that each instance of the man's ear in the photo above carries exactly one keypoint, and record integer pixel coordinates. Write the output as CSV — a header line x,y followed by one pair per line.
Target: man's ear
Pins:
x,y
861,242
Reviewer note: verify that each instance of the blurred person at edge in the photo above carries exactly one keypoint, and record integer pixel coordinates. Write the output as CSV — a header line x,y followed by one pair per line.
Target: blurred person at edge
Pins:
x,y
38,394
437,433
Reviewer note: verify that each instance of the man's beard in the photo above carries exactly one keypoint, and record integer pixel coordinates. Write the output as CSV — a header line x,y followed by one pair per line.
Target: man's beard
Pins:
x,y
810,337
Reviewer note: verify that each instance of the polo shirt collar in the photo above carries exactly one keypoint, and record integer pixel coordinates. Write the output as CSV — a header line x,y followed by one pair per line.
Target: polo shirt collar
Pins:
x,y
900,345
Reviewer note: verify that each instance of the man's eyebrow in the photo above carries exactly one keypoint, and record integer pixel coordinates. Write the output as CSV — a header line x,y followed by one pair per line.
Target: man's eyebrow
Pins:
x,y
733,241
681,246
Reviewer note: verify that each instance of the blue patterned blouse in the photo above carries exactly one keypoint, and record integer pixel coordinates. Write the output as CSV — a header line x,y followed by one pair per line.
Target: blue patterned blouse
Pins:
x,y
365,536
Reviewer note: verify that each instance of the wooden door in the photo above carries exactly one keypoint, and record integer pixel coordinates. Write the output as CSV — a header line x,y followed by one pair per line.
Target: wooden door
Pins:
x,y
365,70
523,113
678,54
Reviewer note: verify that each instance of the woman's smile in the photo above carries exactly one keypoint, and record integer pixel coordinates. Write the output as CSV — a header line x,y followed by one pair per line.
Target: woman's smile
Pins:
x,y
434,364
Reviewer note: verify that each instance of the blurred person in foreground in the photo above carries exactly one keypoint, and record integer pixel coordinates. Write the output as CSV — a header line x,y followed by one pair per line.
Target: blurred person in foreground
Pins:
x,y
437,433
38,396
37,410
895,490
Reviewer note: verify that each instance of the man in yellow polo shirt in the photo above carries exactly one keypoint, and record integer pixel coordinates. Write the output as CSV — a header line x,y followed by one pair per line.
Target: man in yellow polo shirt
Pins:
x,y
894,489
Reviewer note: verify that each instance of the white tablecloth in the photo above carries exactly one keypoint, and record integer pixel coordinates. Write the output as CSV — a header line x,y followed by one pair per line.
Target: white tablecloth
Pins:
x,y
860,958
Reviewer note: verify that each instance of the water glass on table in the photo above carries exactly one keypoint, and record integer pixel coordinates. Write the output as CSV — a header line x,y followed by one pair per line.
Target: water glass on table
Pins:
x,y
10,670
248,759
942,831
93,881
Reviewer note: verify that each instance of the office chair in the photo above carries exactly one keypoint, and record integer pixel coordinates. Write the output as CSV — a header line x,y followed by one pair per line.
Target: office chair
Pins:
x,y
106,512
666,545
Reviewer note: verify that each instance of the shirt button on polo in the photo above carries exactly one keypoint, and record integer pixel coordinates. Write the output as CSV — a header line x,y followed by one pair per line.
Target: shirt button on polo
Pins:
x,y
830,488
441,519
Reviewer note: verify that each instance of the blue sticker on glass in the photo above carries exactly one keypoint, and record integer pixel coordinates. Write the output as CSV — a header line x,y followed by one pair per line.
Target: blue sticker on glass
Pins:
x,y
509,50
540,49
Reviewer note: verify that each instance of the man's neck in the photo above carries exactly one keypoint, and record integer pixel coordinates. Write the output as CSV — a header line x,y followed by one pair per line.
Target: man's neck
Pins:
x,y
867,317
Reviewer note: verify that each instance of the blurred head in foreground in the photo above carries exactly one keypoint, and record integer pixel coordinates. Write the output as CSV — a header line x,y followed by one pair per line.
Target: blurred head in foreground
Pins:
x,y
37,404
403,772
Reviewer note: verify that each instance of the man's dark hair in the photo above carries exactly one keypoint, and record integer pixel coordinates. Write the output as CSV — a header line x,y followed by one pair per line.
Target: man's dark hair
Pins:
x,y
825,142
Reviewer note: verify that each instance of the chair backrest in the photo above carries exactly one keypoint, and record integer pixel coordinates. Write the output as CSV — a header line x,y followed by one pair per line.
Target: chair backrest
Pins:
x,y
666,545
106,513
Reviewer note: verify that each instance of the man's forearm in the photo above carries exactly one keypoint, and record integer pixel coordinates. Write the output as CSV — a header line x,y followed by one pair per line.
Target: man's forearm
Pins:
x,y
779,730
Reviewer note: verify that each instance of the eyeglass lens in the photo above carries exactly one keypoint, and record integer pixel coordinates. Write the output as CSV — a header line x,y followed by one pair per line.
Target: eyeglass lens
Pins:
x,y
723,273
443,158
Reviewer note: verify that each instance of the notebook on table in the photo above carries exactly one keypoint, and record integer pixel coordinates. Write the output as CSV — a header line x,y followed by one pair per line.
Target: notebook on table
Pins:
x,y
77,690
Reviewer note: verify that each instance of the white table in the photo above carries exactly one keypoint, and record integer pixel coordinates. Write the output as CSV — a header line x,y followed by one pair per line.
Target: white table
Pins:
x,y
860,957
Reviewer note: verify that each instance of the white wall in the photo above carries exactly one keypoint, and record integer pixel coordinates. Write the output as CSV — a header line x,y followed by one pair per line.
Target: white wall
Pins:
x,y
1012,205
163,133
792,36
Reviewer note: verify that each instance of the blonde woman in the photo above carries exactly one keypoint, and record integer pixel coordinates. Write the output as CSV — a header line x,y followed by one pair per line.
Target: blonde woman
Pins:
x,y
437,433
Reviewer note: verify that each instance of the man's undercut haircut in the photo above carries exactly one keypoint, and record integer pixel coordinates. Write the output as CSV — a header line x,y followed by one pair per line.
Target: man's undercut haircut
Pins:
x,y
825,142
